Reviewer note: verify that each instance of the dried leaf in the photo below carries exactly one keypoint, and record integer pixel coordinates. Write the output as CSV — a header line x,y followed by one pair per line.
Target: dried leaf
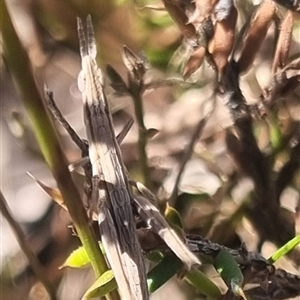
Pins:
x,y
55,194
283,82
134,64
179,15
221,45
256,33
194,62
284,42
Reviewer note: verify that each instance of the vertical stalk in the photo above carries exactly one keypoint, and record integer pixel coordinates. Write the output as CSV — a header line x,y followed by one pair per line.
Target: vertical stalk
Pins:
x,y
142,136
18,63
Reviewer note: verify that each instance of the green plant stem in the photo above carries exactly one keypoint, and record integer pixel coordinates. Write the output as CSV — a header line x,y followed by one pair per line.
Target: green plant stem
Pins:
x,y
19,65
289,246
142,137
34,262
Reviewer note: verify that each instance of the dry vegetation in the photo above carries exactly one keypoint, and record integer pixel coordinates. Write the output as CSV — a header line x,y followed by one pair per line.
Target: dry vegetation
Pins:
x,y
214,88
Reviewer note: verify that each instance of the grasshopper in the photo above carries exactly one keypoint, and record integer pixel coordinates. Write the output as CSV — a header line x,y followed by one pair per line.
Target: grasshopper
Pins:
x,y
110,185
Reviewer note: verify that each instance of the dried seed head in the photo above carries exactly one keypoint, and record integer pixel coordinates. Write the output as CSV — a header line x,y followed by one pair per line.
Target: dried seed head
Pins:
x,y
284,41
179,11
256,33
222,42
134,64
194,62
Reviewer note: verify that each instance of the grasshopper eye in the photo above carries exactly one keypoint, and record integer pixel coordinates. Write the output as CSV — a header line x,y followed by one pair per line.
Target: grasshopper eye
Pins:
x,y
81,81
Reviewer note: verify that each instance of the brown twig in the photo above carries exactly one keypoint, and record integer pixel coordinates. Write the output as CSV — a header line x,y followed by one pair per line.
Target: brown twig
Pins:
x,y
136,70
264,207
188,152
34,262
82,145
278,283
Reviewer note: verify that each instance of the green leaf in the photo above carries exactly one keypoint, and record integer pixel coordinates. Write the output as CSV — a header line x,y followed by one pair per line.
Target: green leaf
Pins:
x,y
155,256
289,246
203,284
102,286
77,259
230,272
275,133
162,272
173,217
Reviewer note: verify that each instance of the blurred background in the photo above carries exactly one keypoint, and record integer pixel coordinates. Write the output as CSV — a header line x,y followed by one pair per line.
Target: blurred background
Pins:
x,y
213,187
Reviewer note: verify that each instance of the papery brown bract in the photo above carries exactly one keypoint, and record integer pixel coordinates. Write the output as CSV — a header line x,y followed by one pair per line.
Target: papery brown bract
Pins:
x,y
255,34
284,41
178,11
194,62
221,44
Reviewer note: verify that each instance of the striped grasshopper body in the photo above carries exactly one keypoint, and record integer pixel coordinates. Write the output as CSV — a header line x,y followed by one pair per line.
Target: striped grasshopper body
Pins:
x,y
111,188
110,183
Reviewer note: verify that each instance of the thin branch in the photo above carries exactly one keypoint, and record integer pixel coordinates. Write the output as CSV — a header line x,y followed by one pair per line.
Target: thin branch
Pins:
x,y
61,119
278,283
136,70
189,151
34,262
142,137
